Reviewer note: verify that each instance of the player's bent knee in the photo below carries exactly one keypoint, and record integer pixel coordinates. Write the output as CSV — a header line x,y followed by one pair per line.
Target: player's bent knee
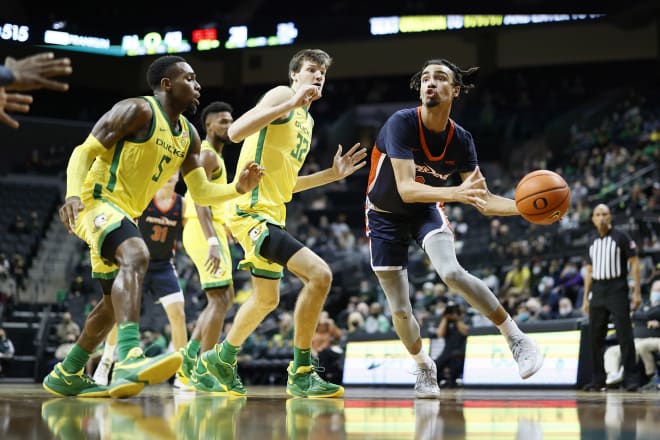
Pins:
x,y
402,315
453,277
322,276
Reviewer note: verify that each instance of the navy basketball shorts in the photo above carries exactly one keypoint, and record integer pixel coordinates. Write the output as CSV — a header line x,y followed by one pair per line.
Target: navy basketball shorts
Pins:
x,y
161,279
390,234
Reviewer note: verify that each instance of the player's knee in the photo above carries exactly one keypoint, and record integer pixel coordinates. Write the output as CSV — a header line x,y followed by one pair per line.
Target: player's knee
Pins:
x,y
220,297
322,276
453,277
136,259
401,315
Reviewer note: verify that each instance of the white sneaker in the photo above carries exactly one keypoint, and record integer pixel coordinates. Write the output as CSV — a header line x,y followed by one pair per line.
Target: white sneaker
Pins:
x,y
614,377
181,386
527,354
102,372
426,386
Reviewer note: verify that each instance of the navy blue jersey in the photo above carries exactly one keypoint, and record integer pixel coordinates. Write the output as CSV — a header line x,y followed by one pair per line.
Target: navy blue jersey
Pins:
x,y
161,228
436,155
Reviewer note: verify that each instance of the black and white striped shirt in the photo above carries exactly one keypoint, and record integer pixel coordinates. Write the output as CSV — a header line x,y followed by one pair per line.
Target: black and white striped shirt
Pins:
x,y
608,255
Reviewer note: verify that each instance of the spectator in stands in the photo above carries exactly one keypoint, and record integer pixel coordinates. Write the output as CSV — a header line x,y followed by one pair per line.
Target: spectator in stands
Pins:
x,y
326,347
63,349
516,281
66,327
18,272
567,311
6,349
5,267
606,294
29,73
570,282
18,226
376,322
355,322
647,341
454,329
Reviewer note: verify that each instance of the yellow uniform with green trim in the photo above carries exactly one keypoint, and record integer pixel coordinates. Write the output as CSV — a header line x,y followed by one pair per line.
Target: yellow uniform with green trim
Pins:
x,y
281,148
122,181
194,240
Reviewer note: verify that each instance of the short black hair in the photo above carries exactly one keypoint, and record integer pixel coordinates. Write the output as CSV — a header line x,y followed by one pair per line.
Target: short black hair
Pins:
x,y
160,69
462,78
215,107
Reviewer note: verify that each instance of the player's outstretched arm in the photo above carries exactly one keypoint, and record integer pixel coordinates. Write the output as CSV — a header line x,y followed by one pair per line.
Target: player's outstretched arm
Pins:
x,y
343,165
125,118
207,193
33,72
494,204
276,104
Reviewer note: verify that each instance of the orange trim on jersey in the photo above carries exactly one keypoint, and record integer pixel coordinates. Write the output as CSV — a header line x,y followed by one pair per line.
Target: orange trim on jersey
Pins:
x,y
443,214
163,209
376,156
422,138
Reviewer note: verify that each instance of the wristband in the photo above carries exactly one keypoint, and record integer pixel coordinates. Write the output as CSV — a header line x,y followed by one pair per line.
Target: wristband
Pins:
x,y
213,241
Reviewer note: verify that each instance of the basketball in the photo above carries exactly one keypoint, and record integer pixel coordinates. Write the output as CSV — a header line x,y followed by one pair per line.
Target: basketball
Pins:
x,y
542,197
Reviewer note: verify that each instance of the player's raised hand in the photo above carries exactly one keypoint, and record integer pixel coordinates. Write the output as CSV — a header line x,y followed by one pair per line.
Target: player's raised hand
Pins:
x,y
13,102
347,164
250,177
33,72
305,95
69,212
473,190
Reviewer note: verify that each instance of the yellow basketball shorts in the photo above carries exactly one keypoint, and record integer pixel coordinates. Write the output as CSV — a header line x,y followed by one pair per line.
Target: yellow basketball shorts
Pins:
x,y
197,248
251,233
94,223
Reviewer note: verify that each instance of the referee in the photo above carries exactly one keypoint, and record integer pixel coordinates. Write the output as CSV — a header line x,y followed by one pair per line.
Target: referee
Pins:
x,y
606,293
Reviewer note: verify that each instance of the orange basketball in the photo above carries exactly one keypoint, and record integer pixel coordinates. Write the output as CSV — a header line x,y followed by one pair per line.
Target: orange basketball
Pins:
x,y
542,197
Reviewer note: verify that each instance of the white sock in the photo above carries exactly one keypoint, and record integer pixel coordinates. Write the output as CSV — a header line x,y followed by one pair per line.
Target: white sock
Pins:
x,y
109,352
509,328
423,359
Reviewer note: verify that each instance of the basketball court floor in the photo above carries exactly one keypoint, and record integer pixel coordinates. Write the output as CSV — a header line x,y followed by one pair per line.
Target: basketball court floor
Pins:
x,y
159,412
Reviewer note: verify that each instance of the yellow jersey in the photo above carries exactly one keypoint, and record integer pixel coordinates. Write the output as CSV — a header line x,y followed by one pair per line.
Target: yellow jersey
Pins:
x,y
219,176
129,173
281,148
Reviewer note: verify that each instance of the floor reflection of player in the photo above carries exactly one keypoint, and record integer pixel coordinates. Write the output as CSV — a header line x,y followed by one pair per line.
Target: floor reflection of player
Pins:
x,y
208,417
317,419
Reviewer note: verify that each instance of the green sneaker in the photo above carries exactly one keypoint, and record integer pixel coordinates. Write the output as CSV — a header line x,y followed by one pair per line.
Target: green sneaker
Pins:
x,y
305,382
226,374
201,379
61,383
187,365
131,375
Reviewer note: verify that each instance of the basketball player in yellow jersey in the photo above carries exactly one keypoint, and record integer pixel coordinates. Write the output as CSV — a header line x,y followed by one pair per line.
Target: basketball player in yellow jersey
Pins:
x,y
131,152
205,241
278,132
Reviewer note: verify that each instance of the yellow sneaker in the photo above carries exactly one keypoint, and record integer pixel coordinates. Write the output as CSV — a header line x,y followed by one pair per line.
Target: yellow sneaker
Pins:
x,y
131,375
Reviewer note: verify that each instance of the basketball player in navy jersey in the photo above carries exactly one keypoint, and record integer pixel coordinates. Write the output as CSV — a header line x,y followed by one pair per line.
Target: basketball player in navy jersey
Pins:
x,y
416,151
160,224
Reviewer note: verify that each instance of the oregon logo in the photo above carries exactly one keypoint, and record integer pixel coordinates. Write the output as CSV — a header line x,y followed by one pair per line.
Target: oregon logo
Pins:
x,y
554,216
540,203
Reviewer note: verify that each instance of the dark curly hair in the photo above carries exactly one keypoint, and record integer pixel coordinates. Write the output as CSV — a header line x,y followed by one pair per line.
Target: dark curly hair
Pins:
x,y
462,78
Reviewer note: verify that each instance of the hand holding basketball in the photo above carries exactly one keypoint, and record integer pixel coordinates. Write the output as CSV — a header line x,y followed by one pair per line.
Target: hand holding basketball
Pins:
x,y
542,197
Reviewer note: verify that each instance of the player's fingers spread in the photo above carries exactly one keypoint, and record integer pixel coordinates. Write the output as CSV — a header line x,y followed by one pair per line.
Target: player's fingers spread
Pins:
x,y
354,148
339,150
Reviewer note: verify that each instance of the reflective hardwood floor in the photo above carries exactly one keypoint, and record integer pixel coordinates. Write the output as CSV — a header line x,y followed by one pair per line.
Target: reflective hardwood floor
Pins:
x,y
159,412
